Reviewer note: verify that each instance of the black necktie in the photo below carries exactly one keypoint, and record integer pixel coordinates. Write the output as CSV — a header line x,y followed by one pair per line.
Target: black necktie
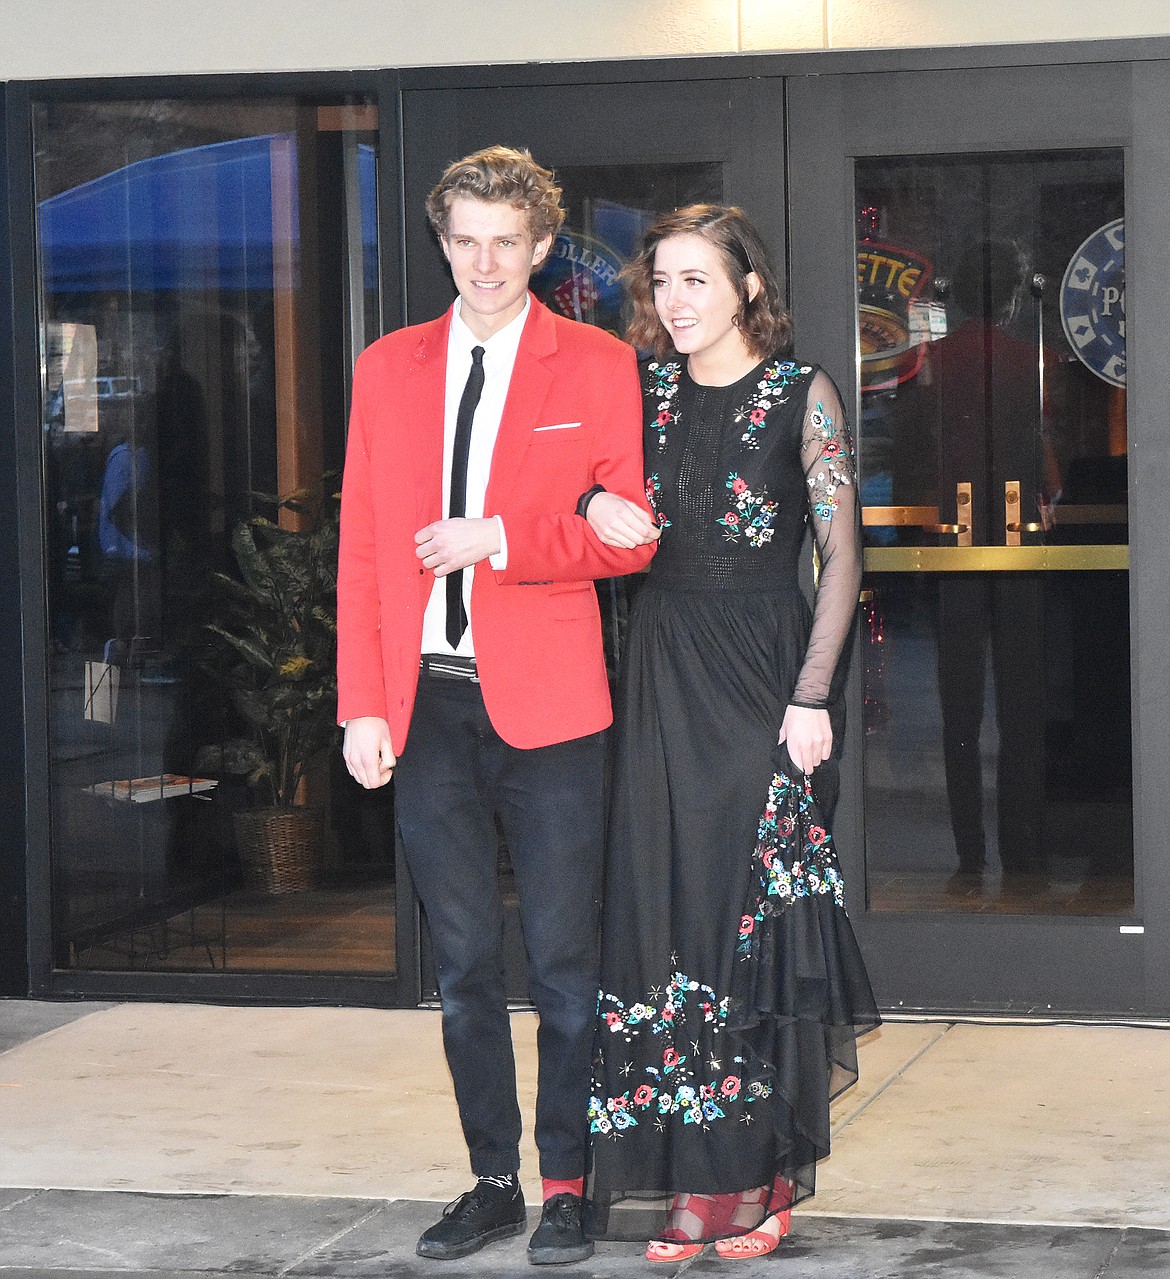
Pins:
x,y
456,614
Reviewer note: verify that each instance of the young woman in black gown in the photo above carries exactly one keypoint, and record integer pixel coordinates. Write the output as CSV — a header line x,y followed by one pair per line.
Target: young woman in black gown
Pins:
x,y
732,987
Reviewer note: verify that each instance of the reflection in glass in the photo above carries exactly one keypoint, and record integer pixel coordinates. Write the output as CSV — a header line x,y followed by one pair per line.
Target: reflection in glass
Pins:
x,y
607,208
993,470
208,273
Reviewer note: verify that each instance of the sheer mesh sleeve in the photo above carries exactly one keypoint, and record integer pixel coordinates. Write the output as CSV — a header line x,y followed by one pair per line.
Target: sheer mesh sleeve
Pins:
x,y
827,456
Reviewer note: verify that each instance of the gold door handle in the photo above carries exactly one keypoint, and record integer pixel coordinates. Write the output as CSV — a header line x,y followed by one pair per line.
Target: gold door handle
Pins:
x,y
996,559
963,511
898,516
923,517
1013,526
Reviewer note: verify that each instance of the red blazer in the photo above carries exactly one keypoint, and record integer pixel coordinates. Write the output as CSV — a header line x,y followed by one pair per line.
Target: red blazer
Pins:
x,y
537,629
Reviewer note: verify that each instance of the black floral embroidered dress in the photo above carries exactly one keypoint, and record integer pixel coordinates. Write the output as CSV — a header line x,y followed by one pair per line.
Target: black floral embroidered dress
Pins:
x,y
732,987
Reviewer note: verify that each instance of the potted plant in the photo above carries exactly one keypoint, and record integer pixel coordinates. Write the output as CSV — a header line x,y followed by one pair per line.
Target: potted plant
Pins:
x,y
273,647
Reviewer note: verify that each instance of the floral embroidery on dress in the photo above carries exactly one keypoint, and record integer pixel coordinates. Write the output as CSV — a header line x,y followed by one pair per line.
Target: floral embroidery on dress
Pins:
x,y
664,379
752,515
834,465
686,1078
661,1008
660,1096
794,858
754,411
654,496
681,1082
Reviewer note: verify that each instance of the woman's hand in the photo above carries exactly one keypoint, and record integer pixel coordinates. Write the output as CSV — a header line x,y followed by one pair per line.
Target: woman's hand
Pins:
x,y
620,522
809,736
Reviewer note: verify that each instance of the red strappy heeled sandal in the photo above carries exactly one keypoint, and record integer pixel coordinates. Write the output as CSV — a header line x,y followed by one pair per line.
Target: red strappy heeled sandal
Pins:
x,y
708,1215
766,1237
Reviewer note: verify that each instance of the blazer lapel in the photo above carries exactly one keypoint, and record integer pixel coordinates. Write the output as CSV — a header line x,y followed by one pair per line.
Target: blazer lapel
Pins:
x,y
532,376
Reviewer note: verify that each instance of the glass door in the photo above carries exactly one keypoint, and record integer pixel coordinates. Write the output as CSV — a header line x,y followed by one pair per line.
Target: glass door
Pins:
x,y
973,302
208,270
708,141
991,325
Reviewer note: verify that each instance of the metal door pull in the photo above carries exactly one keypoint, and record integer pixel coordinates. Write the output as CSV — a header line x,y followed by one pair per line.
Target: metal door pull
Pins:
x,y
1013,525
963,511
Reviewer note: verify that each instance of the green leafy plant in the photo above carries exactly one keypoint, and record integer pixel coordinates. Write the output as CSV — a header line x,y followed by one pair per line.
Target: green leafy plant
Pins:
x,y
273,646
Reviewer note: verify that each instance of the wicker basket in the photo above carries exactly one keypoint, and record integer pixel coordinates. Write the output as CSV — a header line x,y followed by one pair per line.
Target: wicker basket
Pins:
x,y
280,848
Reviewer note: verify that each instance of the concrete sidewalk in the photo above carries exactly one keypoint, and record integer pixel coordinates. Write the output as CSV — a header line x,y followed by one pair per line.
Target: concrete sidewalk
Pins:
x,y
179,1139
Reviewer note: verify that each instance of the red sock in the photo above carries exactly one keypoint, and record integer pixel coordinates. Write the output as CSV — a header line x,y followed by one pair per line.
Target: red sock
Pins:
x,y
554,1186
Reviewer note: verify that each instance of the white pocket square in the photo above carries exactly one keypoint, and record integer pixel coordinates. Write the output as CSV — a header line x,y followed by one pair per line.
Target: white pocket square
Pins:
x,y
560,426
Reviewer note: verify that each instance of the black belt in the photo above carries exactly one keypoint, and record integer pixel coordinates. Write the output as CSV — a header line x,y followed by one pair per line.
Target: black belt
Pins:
x,y
441,666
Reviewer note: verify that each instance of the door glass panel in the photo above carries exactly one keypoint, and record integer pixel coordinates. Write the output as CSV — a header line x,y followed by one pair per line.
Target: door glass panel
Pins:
x,y
208,272
992,441
606,210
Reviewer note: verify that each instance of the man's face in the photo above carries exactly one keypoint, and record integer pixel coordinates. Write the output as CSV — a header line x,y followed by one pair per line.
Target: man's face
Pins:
x,y
491,252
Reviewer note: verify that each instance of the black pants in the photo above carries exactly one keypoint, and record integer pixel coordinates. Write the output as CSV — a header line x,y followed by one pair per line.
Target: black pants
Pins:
x,y
998,615
455,776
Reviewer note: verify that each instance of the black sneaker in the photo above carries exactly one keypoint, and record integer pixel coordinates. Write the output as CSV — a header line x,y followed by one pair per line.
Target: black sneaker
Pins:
x,y
480,1216
559,1238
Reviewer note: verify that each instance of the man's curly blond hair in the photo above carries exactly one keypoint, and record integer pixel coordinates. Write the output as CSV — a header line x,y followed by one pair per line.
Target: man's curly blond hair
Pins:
x,y
500,175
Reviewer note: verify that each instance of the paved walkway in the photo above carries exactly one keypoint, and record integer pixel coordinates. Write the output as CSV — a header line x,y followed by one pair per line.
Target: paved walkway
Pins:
x,y
157,1140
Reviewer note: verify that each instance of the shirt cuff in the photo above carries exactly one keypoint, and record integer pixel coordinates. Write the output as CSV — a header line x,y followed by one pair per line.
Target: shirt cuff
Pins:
x,y
587,497
499,560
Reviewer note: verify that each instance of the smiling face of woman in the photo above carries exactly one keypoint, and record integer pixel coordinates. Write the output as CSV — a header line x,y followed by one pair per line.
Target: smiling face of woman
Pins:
x,y
699,305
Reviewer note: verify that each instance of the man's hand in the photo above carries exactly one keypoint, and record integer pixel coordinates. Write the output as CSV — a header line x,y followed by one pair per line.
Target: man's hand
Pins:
x,y
448,545
619,522
368,752
809,735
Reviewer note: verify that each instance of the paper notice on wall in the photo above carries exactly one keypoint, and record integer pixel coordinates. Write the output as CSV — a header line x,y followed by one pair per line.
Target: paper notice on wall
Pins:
x,y
101,691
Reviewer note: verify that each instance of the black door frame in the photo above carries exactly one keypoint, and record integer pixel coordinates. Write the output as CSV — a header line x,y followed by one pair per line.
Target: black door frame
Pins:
x,y
14,898
1011,963
28,513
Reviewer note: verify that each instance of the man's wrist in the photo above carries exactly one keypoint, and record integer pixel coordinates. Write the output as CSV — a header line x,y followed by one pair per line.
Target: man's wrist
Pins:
x,y
499,559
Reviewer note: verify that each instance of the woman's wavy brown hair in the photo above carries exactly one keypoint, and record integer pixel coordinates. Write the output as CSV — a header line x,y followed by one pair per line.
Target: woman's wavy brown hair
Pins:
x,y
500,175
763,320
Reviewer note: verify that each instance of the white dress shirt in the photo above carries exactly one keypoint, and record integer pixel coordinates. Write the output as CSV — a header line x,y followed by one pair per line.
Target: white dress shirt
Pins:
x,y
499,358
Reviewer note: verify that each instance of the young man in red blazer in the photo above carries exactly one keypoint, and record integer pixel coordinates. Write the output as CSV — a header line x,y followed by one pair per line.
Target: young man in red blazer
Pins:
x,y
470,662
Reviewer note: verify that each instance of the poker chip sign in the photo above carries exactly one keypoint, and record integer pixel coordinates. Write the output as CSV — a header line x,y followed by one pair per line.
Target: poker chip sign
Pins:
x,y
1092,302
579,279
